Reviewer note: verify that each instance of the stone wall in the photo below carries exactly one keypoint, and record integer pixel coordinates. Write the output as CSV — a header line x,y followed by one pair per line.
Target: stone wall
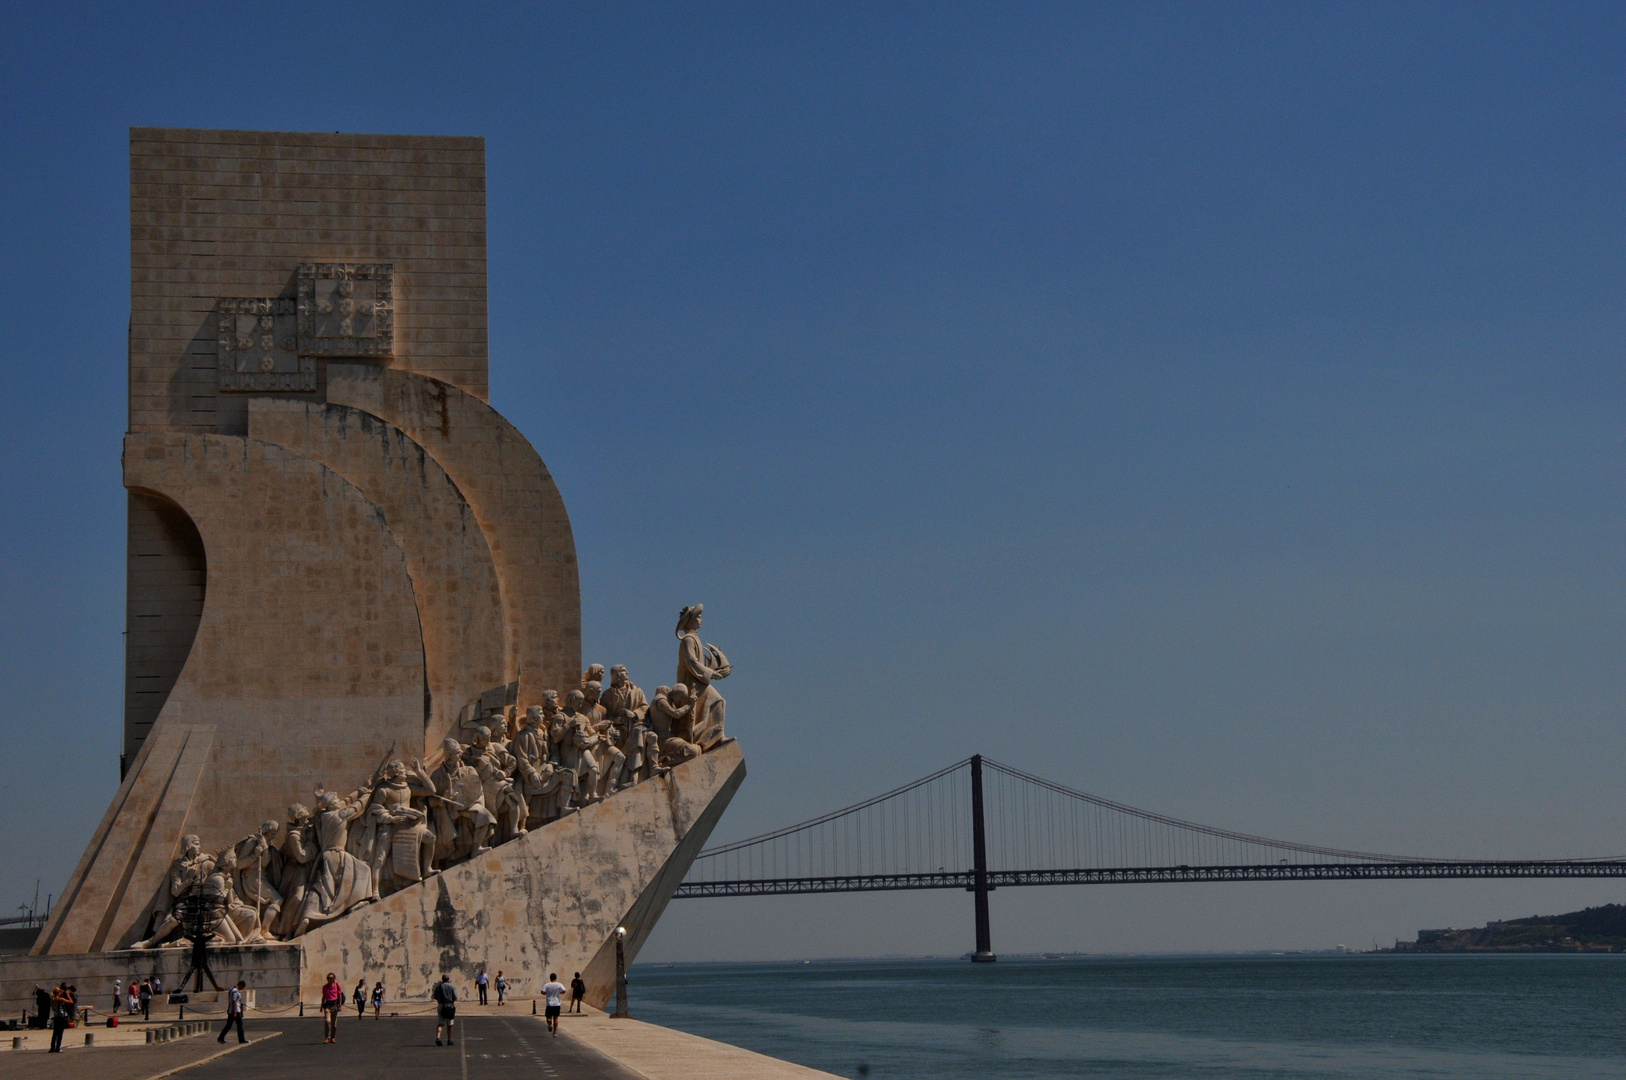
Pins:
x,y
271,971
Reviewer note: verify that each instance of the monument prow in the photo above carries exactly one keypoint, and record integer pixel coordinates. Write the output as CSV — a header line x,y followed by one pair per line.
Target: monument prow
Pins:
x,y
346,568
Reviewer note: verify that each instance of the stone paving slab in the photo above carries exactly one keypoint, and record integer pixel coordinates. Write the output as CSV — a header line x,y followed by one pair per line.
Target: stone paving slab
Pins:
x,y
130,1062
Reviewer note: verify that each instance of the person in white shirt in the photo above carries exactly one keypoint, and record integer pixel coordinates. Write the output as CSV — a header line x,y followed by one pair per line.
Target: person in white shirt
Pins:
x,y
234,1012
554,991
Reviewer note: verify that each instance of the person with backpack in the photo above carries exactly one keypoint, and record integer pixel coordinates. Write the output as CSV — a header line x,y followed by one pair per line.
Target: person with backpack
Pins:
x,y
554,991
445,995
578,990
332,1002
234,1012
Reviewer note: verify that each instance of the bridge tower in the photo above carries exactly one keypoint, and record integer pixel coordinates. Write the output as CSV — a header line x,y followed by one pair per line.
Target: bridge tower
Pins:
x,y
984,953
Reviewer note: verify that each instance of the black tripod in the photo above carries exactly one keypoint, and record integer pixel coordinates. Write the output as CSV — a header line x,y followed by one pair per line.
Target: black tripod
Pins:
x,y
199,915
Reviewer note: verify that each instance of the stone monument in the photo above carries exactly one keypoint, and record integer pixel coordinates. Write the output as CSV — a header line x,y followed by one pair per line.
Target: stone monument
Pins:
x,y
357,732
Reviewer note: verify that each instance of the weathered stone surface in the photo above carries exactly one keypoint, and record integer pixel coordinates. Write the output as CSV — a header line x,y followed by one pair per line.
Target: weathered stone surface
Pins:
x,y
547,901
514,497
308,661
121,871
453,578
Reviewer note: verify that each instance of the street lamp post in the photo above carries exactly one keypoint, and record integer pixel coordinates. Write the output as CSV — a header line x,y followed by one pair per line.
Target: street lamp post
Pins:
x,y
620,973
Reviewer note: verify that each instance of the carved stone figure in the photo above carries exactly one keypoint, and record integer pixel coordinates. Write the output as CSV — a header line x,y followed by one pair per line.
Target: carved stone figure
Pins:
x,y
577,746
671,718
259,869
626,707
612,760
502,799
393,838
240,922
623,695
700,665
594,673
545,785
186,874
300,849
338,881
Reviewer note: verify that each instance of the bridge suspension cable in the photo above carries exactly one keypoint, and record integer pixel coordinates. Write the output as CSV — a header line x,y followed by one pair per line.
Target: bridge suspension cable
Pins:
x,y
978,825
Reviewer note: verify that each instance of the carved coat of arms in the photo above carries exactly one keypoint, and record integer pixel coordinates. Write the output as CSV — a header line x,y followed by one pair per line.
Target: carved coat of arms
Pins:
x,y
346,309
257,346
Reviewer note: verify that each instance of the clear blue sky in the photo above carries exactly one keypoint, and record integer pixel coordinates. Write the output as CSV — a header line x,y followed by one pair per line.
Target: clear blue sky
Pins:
x,y
1217,408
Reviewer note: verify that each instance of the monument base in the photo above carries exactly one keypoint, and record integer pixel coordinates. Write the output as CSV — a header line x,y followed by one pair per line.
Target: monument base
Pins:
x,y
271,970
547,901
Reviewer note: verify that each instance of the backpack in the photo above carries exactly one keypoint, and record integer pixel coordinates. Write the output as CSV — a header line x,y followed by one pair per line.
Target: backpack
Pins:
x,y
438,995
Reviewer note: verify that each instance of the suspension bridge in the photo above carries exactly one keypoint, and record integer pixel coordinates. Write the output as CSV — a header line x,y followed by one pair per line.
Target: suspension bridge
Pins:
x,y
979,825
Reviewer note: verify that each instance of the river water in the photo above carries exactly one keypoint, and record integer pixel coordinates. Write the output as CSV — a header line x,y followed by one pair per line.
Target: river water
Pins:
x,y
1281,1017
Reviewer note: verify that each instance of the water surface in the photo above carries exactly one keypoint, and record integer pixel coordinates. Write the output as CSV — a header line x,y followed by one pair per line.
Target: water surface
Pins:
x,y
1282,1017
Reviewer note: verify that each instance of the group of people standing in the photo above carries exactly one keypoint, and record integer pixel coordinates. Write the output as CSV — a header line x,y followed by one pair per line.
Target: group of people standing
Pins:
x,y
138,998
445,996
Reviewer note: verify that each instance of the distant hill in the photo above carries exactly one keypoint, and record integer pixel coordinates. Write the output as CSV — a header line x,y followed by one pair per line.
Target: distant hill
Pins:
x,y
1597,929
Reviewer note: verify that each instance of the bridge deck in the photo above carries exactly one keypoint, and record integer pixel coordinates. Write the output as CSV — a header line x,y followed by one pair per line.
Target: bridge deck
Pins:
x,y
1340,871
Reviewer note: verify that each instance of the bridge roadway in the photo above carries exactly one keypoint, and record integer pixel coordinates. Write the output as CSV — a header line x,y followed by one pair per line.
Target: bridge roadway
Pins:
x,y
1341,871
403,1048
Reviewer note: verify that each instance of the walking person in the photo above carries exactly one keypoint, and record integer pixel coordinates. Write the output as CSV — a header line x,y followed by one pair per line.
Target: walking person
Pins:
x,y
480,982
360,998
445,995
143,999
60,1006
578,990
502,986
234,1012
554,992
118,994
133,998
332,1002
378,998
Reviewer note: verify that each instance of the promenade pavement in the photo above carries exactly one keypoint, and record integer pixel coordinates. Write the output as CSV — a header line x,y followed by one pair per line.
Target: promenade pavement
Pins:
x,y
130,1062
489,1046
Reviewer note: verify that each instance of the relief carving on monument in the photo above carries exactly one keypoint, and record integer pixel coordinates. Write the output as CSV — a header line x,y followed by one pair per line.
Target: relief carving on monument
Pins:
x,y
257,346
346,309
412,820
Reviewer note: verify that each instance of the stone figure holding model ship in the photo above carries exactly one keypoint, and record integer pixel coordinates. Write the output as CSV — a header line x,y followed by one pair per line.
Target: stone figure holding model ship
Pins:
x,y
700,665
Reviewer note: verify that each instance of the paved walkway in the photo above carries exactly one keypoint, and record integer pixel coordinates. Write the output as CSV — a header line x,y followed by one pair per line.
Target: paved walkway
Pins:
x,y
488,1047
658,1053
79,1062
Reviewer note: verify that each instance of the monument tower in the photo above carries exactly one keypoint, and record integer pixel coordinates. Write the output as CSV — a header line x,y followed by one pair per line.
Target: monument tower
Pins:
x,y
340,557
